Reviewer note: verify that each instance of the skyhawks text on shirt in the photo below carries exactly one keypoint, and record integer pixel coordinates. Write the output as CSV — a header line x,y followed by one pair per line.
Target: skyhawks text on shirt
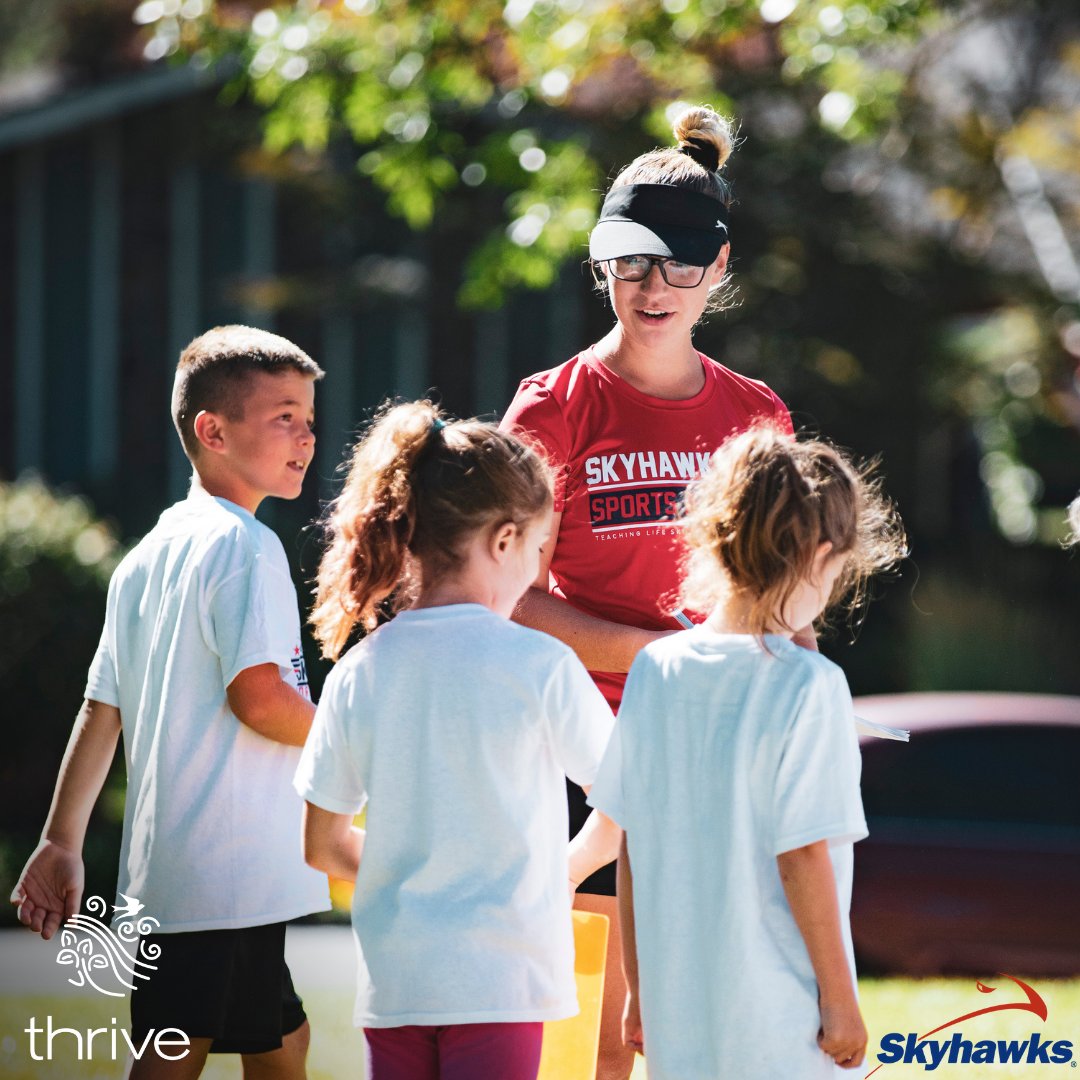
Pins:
x,y
628,490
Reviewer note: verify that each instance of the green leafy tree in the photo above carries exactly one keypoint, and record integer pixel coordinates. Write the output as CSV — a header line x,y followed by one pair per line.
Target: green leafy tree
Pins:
x,y
519,99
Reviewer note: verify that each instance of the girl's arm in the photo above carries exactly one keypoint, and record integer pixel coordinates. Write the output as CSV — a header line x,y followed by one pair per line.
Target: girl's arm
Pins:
x,y
600,645
332,843
808,880
594,846
632,1034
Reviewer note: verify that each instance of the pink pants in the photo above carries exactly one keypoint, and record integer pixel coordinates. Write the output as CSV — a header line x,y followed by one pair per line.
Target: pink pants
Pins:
x,y
455,1052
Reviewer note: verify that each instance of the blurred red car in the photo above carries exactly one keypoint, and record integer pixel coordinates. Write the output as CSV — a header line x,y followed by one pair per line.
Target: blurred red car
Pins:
x,y
973,860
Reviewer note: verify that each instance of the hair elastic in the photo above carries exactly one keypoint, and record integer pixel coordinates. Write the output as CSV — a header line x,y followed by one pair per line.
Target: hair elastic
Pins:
x,y
703,152
437,424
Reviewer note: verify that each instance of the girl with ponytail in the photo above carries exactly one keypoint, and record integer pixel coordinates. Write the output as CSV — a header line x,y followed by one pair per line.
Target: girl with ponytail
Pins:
x,y
741,810
627,423
456,729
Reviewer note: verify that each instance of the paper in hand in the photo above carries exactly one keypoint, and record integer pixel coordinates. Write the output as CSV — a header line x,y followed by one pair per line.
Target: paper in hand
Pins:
x,y
881,731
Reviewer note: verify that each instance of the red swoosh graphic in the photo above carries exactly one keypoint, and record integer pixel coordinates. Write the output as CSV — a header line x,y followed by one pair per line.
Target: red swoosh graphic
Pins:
x,y
1034,1004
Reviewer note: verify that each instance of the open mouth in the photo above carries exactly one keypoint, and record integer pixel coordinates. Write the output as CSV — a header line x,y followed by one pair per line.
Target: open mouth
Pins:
x,y
654,315
298,465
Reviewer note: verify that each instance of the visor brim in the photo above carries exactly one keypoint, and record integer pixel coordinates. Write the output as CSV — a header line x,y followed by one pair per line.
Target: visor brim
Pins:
x,y
614,238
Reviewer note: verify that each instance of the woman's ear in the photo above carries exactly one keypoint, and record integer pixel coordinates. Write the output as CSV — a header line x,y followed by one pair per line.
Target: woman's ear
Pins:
x,y
719,268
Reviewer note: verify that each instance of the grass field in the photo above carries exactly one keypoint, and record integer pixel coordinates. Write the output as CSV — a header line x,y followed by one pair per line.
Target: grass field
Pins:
x,y
889,1005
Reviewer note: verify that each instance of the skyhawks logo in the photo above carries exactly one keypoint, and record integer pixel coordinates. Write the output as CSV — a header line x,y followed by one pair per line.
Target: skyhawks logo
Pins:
x,y
628,491
898,1048
644,465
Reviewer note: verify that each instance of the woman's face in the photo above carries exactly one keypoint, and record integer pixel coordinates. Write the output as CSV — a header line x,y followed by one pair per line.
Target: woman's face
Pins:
x,y
651,311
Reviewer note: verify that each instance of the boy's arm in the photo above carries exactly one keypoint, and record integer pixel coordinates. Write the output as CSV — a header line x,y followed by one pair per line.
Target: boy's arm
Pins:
x,y
332,843
49,890
595,845
807,875
261,700
632,1034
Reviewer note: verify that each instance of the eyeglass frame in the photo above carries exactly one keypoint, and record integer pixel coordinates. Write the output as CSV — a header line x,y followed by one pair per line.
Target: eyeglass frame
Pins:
x,y
658,261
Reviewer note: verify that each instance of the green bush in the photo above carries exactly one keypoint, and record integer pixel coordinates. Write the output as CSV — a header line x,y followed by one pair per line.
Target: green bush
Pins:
x,y
56,558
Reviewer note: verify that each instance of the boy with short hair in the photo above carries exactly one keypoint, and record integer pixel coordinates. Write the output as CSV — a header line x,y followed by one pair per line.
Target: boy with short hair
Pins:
x,y
200,666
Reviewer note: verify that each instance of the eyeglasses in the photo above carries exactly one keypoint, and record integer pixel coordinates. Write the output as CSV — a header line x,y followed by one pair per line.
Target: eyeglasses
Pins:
x,y
679,275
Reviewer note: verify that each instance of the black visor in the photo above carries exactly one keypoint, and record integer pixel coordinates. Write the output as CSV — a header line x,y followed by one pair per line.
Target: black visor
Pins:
x,y
660,219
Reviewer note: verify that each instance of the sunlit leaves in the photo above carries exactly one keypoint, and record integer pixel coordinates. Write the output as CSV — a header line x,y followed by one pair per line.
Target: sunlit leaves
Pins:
x,y
303,115
399,77
413,178
549,217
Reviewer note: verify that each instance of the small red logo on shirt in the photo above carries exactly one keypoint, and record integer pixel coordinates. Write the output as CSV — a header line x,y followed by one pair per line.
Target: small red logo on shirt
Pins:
x,y
300,671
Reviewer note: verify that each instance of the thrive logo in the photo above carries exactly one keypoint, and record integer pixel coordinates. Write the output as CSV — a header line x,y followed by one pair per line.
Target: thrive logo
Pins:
x,y
898,1048
102,956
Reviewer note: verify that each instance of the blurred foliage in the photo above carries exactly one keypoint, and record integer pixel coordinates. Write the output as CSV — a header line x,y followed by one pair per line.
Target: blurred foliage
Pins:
x,y
501,96
55,564
28,33
87,39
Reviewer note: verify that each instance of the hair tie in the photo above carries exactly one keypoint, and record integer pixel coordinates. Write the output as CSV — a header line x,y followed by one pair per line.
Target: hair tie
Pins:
x,y
437,425
703,152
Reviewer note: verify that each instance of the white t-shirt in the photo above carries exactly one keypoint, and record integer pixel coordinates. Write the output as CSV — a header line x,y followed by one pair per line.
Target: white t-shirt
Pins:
x,y
724,757
211,835
456,727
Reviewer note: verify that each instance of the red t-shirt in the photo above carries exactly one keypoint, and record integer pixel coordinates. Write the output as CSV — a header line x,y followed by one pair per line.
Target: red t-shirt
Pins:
x,y
622,460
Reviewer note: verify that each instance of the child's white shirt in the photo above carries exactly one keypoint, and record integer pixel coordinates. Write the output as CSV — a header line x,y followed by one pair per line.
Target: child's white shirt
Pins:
x,y
724,757
455,728
211,836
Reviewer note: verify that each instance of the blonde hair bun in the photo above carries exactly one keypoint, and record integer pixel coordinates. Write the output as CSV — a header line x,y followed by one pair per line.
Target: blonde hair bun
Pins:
x,y
701,128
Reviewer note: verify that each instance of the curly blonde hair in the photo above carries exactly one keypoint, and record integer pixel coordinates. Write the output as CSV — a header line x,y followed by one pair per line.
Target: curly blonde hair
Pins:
x,y
753,523
417,486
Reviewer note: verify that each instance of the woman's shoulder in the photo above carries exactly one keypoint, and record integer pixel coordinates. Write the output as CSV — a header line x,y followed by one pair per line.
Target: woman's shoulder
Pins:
x,y
558,384
754,392
756,388
553,404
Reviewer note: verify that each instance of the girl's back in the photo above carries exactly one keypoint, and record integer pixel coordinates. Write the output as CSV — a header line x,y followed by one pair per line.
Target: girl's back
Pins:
x,y
456,728
728,755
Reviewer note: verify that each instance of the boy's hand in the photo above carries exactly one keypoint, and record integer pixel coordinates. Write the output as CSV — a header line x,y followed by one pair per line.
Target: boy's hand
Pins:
x,y
50,888
843,1034
632,1034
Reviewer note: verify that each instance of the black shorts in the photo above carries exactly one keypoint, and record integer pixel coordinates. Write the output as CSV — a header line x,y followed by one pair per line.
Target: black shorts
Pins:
x,y
602,883
232,986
